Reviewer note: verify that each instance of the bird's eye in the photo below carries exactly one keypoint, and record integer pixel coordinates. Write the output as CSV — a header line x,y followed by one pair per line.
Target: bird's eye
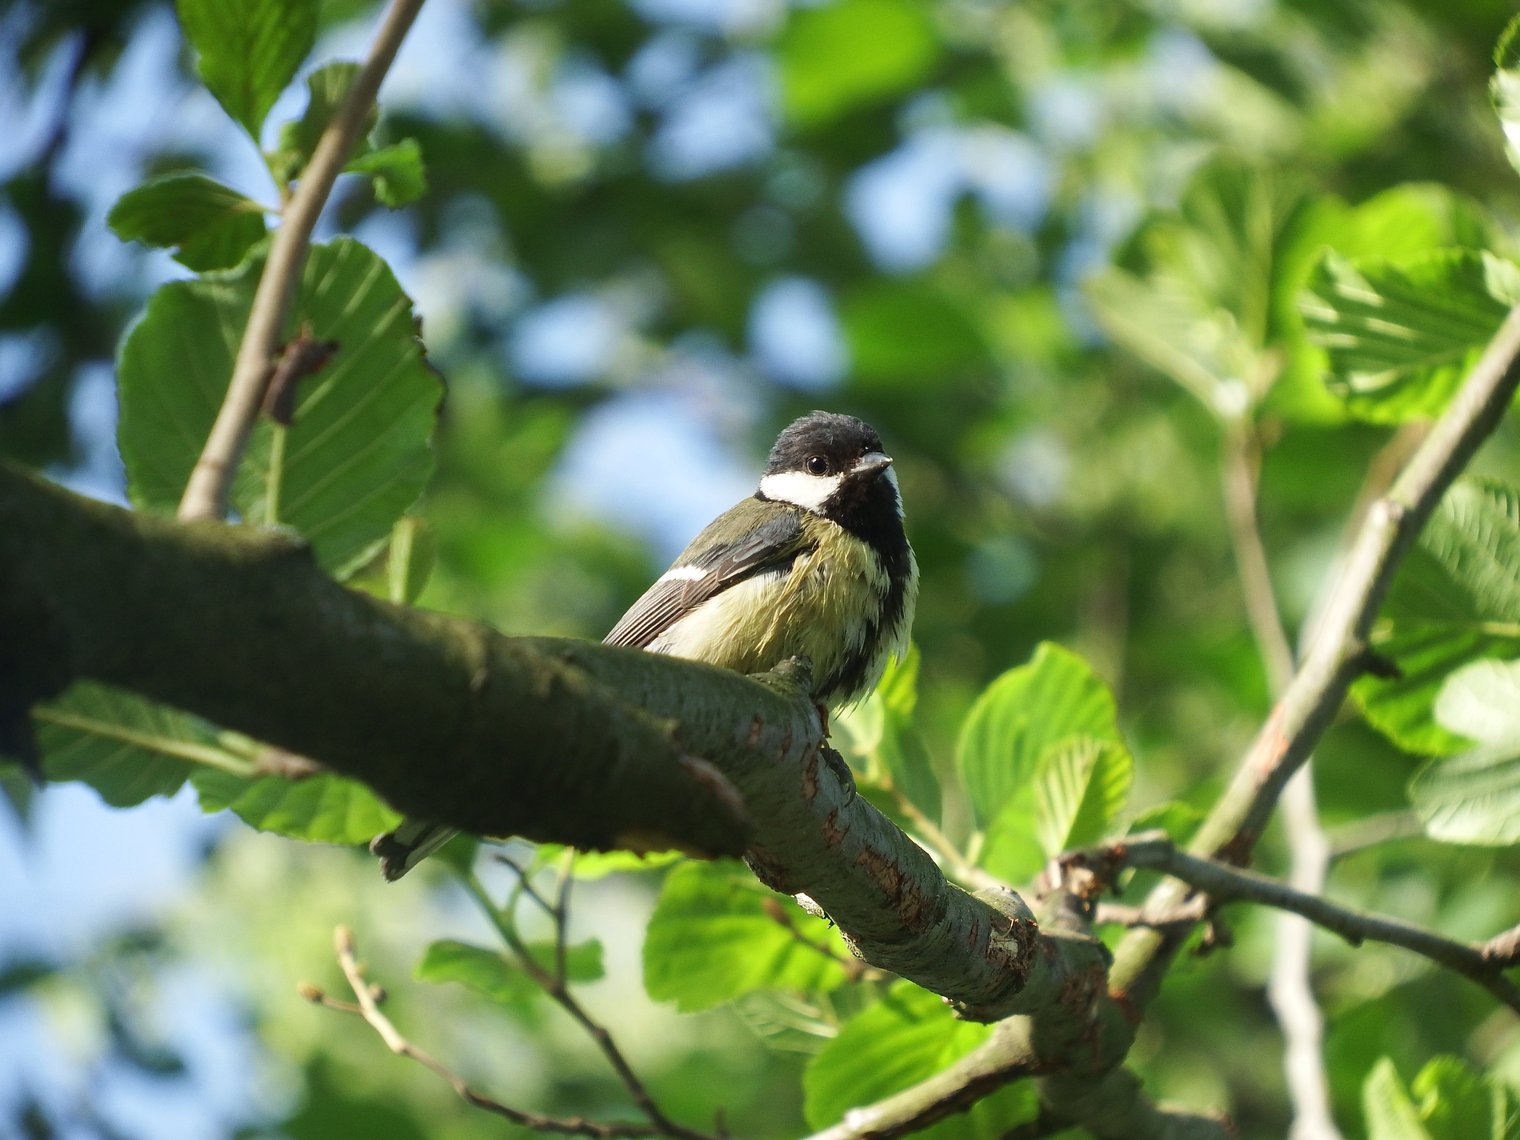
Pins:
x,y
817,465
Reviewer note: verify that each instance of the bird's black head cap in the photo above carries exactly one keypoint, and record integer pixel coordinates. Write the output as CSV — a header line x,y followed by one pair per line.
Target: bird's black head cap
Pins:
x,y
829,437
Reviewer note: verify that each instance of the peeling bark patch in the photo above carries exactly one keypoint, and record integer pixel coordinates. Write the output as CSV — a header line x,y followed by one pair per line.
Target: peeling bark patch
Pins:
x,y
810,776
889,879
1275,744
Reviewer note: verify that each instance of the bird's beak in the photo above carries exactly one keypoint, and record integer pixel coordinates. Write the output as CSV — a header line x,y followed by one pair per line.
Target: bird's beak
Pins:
x,y
871,463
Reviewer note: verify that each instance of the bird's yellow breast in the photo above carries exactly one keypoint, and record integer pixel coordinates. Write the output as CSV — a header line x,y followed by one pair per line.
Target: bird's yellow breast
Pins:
x,y
822,607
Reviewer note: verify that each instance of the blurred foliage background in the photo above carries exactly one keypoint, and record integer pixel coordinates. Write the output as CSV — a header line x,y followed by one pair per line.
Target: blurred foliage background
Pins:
x,y
654,231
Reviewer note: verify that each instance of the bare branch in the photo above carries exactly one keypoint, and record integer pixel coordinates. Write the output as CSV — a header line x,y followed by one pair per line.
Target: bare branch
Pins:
x,y
206,492
369,1010
1482,962
1338,652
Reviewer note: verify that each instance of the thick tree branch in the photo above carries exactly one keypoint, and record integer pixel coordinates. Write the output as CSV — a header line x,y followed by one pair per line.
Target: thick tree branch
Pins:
x,y
557,740
1338,653
207,489
1482,962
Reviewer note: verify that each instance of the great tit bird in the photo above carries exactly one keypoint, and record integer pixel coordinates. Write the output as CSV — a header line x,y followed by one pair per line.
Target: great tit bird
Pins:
x,y
815,564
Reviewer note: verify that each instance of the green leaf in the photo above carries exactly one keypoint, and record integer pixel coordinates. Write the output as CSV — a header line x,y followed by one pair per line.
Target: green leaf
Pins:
x,y
881,733
899,684
1456,599
125,747
1210,302
1457,1103
1391,1115
1074,799
499,977
210,225
714,935
1470,798
410,559
357,455
1474,797
326,88
905,1038
1401,336
1482,702
907,762
837,57
591,865
324,808
1504,89
1082,787
1021,715
1450,1102
249,50
396,171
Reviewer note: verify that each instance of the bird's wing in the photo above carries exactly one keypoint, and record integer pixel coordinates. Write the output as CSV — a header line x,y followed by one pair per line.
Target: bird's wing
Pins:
x,y
707,568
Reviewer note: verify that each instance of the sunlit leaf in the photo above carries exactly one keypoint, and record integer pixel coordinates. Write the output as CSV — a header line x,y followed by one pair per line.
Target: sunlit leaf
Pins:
x,y
326,88
1401,336
1457,1102
1456,599
599,864
497,975
357,455
1449,1101
905,1038
124,746
323,808
395,170
836,57
716,934
881,734
1082,787
1504,88
1482,702
1074,799
1005,736
1208,301
249,51
1390,1114
1474,797
208,224
410,559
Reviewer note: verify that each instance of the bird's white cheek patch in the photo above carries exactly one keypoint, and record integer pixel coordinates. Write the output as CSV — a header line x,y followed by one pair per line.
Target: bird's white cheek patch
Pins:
x,y
800,489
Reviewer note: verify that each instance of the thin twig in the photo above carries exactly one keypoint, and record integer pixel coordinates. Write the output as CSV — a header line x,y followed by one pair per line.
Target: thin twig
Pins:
x,y
207,490
1483,962
558,990
369,1010
1187,914
854,969
1373,830
1289,990
1338,652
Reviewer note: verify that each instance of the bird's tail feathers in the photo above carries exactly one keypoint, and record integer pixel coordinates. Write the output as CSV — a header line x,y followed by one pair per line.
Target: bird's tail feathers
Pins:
x,y
413,841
